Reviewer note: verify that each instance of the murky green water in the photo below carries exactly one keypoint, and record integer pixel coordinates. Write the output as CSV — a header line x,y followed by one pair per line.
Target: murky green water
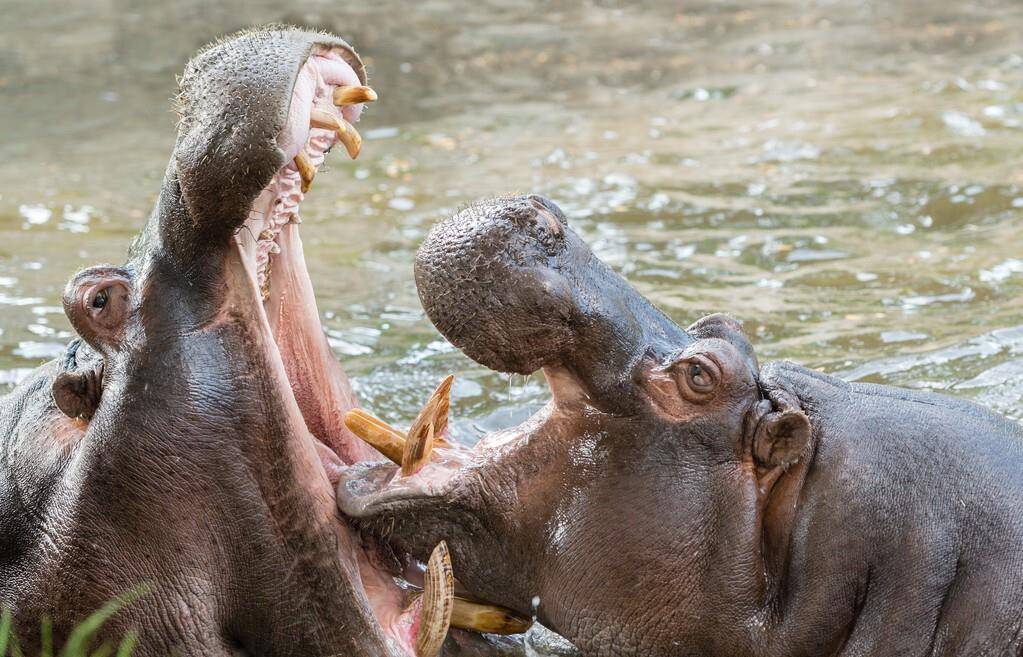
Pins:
x,y
844,177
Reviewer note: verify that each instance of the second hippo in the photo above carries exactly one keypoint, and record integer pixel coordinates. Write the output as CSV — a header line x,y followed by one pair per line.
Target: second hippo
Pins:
x,y
675,497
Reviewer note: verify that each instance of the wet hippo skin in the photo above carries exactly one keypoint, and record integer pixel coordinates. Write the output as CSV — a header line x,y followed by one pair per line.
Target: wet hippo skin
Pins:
x,y
675,497
186,446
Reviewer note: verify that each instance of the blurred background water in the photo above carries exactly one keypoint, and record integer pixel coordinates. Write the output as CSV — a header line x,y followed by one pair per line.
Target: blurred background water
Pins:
x,y
844,177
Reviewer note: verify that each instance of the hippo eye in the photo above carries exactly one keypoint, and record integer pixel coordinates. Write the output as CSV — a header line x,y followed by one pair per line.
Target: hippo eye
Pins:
x,y
696,372
100,300
700,379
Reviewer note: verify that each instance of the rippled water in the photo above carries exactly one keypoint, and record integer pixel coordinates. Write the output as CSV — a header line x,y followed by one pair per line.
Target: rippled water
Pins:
x,y
843,177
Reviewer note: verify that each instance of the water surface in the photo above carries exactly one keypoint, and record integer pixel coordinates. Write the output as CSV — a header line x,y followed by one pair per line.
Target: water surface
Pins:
x,y
843,177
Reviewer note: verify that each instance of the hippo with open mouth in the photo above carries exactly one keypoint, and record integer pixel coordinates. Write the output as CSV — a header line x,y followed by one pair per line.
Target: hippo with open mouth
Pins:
x,y
675,497
190,439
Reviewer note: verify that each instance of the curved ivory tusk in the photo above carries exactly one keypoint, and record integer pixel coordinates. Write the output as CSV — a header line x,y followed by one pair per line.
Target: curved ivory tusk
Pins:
x,y
323,119
350,137
430,422
383,437
438,601
481,617
397,445
305,169
353,95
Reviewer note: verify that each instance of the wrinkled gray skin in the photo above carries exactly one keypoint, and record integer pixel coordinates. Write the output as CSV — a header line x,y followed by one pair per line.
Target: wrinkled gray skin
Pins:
x,y
657,508
160,450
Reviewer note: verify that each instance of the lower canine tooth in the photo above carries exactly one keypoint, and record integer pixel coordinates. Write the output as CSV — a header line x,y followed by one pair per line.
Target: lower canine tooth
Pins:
x,y
468,615
350,137
435,411
305,169
353,95
438,602
412,450
417,451
386,439
430,423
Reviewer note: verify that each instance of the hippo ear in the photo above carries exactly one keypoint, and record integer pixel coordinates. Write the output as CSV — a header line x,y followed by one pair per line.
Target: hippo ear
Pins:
x,y
98,303
781,438
78,386
77,394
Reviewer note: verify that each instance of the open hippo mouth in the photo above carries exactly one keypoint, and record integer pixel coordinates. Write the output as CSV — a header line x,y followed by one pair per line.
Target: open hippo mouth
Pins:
x,y
273,280
327,99
515,289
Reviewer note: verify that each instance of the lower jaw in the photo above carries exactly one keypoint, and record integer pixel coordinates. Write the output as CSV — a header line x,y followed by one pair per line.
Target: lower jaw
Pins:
x,y
316,379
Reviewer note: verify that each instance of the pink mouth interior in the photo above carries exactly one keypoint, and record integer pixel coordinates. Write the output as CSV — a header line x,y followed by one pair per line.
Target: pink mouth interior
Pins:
x,y
272,251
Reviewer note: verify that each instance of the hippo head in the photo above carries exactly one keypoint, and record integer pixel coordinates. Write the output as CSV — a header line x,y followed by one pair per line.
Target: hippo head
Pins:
x,y
189,440
650,496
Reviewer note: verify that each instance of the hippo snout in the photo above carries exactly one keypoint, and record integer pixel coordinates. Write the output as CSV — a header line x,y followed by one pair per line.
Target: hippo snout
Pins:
x,y
509,283
490,279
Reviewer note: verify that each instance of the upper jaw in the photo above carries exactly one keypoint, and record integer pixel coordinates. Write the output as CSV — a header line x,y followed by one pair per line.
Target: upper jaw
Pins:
x,y
234,105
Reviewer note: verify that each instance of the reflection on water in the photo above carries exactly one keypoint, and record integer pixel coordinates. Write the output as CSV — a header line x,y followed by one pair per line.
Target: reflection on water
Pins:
x,y
843,177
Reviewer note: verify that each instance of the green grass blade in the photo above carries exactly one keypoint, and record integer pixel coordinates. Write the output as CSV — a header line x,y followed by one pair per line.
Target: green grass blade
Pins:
x,y
128,644
78,641
15,647
5,631
45,637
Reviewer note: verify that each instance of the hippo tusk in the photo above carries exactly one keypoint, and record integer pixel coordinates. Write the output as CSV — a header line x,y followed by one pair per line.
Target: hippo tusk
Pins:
x,y
491,619
381,436
394,443
417,451
353,95
305,169
323,119
350,137
437,602
435,411
431,422
346,132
